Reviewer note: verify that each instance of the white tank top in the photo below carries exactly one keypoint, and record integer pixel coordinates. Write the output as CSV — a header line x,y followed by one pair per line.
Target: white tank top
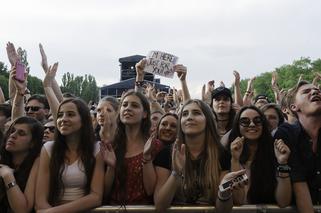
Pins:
x,y
73,176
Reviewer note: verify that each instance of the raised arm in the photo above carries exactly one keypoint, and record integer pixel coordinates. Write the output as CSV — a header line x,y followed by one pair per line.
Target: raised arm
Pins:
x,y
207,92
247,99
140,76
44,64
316,79
150,94
237,89
181,74
18,101
283,190
13,59
236,151
2,98
50,94
275,88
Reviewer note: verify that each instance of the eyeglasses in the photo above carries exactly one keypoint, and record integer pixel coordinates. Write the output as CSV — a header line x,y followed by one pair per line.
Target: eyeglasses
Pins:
x,y
246,122
33,108
51,128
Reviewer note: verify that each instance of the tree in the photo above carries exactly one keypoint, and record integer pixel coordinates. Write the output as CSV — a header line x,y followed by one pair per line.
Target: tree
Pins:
x,y
83,87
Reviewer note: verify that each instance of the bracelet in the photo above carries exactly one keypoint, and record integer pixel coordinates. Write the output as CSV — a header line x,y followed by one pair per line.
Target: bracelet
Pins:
x,y
278,176
177,174
145,161
223,199
283,168
139,83
11,184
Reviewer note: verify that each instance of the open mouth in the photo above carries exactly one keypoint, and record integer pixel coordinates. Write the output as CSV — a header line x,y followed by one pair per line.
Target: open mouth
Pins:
x,y
315,99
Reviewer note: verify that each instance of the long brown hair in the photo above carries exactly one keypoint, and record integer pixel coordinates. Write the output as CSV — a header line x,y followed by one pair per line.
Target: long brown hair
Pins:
x,y
85,151
121,140
208,176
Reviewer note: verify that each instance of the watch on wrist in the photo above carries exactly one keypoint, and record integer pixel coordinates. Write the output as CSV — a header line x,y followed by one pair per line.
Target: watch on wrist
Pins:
x,y
283,168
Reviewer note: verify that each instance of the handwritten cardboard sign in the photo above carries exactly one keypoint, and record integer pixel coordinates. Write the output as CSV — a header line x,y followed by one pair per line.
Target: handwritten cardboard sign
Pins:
x,y
161,63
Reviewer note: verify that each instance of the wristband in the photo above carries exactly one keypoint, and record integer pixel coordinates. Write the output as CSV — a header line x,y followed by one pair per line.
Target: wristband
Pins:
x,y
10,185
283,168
177,174
139,83
223,199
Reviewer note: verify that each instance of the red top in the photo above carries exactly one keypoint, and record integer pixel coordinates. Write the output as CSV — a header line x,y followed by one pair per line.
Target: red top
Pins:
x,y
135,192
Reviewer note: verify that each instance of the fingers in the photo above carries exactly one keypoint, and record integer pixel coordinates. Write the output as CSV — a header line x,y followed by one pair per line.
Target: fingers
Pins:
x,y
237,143
281,146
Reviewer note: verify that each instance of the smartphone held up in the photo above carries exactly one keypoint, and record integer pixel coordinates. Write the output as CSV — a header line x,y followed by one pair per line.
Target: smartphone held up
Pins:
x,y
20,71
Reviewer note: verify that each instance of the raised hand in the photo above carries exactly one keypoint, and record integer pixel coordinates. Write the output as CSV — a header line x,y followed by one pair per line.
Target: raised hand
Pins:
x,y
108,128
12,54
237,148
5,170
235,185
236,77
149,147
178,157
282,151
140,67
20,86
181,71
150,92
108,154
44,62
50,75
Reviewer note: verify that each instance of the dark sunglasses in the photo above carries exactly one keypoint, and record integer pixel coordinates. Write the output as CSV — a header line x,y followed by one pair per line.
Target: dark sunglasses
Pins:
x,y
246,122
33,108
51,128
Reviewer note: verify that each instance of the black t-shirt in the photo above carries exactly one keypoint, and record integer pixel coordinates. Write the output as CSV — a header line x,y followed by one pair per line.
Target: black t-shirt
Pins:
x,y
306,165
164,159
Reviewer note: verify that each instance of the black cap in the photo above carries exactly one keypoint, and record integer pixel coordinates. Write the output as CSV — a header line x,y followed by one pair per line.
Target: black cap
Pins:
x,y
221,91
258,97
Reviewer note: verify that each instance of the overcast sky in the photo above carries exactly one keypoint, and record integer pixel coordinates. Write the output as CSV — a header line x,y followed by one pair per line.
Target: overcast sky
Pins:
x,y
211,37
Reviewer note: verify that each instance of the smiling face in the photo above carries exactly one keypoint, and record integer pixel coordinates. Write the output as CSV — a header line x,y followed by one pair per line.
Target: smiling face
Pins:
x,y
68,119
19,139
131,110
250,124
168,129
193,121
307,101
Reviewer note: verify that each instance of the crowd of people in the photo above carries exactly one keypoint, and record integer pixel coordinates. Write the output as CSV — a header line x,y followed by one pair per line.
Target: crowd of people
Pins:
x,y
60,154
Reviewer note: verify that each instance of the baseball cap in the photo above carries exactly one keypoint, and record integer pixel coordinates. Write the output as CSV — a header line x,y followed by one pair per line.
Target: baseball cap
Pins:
x,y
221,91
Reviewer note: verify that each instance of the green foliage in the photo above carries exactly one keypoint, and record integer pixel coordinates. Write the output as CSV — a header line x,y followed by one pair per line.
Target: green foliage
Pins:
x,y
84,87
288,76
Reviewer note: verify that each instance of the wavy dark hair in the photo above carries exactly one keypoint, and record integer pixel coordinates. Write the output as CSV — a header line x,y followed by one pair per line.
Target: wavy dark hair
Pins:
x,y
85,151
21,173
210,167
263,180
120,142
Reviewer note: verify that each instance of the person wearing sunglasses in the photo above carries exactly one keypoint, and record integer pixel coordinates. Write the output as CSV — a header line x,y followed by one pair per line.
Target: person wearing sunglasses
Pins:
x,y
37,107
49,131
252,148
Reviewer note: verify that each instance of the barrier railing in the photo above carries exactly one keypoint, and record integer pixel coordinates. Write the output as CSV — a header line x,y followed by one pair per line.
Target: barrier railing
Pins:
x,y
201,209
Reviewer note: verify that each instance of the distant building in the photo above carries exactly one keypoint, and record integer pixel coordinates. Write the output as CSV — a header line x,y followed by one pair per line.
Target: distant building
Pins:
x,y
128,78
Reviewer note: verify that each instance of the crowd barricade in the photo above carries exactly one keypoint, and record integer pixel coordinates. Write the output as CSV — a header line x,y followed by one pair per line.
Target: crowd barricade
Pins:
x,y
200,209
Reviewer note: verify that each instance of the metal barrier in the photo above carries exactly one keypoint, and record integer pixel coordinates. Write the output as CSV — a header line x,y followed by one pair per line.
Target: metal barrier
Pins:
x,y
201,209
